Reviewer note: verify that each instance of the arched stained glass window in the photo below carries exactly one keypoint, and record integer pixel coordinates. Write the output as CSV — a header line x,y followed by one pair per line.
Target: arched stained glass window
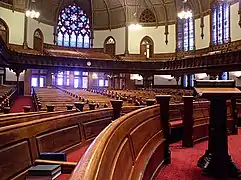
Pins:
x,y
73,27
220,22
185,34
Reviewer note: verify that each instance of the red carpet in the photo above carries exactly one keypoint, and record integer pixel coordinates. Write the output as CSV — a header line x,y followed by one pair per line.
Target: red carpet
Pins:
x,y
20,102
184,160
76,155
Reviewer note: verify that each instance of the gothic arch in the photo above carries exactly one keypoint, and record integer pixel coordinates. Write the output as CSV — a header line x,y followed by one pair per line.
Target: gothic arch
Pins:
x,y
110,45
38,40
4,31
147,47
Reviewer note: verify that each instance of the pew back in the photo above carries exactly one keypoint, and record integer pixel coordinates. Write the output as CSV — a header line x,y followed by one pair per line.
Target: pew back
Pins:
x,y
25,117
21,144
120,150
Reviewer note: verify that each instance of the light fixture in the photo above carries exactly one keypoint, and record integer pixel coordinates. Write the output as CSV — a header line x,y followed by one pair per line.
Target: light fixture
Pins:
x,y
135,25
31,12
185,13
94,76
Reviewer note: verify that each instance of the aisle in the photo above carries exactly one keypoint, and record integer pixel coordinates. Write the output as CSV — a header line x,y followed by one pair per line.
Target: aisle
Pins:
x,y
184,160
20,102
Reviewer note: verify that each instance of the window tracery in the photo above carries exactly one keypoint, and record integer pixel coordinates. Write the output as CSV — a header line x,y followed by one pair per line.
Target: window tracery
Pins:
x,y
147,16
73,28
185,35
220,22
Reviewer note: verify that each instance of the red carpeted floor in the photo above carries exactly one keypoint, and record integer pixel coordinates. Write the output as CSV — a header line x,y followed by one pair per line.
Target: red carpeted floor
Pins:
x,y
20,102
74,157
184,160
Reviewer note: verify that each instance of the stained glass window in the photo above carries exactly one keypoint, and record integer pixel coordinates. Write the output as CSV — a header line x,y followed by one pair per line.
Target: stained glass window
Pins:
x,y
220,22
185,81
185,34
191,80
73,28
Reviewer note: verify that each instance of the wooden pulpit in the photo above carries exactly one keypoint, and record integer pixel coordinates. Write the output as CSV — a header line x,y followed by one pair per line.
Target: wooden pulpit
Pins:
x,y
216,161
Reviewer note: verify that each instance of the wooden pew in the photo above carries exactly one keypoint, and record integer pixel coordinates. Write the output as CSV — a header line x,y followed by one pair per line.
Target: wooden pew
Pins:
x,y
55,97
120,150
199,121
20,144
25,117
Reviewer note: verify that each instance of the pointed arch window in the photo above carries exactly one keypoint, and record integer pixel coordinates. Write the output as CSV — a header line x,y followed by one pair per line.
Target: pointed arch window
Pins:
x,y
4,31
109,46
147,47
185,34
220,22
38,40
73,28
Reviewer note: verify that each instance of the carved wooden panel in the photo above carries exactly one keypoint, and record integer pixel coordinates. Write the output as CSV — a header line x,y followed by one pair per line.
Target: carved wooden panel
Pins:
x,y
92,129
59,139
14,159
110,49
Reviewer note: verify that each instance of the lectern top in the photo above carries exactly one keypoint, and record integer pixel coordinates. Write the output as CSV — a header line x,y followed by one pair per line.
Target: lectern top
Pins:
x,y
221,92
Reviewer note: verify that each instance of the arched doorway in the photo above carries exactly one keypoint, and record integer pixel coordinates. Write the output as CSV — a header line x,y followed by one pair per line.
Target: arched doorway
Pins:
x,y
4,31
110,46
147,47
38,40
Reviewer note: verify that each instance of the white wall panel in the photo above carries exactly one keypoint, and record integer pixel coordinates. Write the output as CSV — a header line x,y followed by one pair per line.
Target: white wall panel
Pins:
x,y
158,37
15,22
235,30
199,42
117,34
47,31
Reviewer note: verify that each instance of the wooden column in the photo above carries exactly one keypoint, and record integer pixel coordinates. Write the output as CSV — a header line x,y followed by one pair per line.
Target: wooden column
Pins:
x,y
27,82
49,79
163,101
117,106
126,40
188,122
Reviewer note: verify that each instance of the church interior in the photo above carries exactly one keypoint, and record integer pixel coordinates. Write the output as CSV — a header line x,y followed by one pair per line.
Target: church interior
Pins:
x,y
120,89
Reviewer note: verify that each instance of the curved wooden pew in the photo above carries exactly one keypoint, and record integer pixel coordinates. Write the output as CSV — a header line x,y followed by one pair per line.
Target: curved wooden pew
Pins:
x,y
132,147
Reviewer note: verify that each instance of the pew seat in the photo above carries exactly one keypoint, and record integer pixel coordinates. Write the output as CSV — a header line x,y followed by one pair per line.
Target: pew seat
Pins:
x,y
75,155
63,177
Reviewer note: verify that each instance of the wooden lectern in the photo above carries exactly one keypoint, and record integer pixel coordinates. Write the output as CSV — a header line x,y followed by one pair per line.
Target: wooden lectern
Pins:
x,y
216,161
